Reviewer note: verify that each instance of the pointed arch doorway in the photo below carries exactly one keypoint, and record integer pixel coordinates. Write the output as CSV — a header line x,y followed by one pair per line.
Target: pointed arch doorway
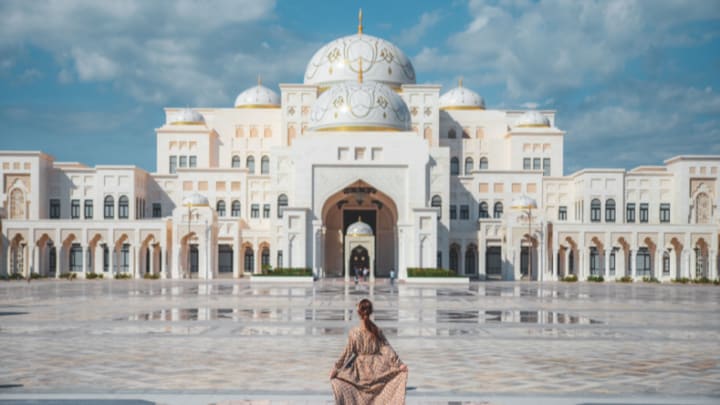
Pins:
x,y
359,200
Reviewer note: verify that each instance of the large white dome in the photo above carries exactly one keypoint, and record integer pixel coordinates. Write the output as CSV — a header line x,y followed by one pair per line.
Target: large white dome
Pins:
x,y
257,97
339,61
195,199
461,98
359,106
532,119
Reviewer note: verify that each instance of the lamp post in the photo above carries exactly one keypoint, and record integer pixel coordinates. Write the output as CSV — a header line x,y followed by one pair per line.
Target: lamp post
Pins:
x,y
526,204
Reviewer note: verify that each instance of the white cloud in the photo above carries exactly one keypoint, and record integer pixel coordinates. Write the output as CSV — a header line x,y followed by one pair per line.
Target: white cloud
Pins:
x,y
158,51
413,34
93,66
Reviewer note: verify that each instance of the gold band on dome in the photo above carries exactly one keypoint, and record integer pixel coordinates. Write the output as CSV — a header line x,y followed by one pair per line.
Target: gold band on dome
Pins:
x,y
462,107
532,126
359,128
359,234
258,106
195,205
187,123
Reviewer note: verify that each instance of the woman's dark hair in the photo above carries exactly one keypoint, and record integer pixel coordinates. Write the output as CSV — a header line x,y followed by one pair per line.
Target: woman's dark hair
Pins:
x,y
365,309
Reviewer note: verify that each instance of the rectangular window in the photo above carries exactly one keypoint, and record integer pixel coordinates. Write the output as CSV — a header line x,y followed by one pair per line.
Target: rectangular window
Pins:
x,y
173,164
76,257
630,212
453,212
526,163
193,161
156,210
54,208
536,163
75,209
546,166
612,263
562,213
644,212
88,209
279,263
183,161
266,210
664,212
464,212
255,211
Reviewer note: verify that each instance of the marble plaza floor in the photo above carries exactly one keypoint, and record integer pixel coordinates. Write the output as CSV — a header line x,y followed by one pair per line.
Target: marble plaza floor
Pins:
x,y
229,342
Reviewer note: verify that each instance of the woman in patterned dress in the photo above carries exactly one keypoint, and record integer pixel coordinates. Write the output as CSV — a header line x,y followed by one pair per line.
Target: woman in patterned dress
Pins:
x,y
368,371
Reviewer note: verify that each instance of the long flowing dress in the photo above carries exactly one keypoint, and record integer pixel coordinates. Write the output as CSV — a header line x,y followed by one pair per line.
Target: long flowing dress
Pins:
x,y
374,377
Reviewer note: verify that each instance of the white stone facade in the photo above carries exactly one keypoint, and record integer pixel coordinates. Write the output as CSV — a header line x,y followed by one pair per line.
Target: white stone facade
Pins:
x,y
434,181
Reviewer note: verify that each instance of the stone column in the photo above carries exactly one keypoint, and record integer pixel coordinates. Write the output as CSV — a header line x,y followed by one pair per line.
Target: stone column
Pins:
x,y
461,259
36,259
58,260
111,260
83,253
712,265
659,257
693,264
673,263
237,272
555,263
517,262
606,262
633,263
152,259
582,265
481,253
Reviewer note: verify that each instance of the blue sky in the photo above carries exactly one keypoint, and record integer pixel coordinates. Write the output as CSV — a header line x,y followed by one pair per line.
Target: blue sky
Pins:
x,y
634,82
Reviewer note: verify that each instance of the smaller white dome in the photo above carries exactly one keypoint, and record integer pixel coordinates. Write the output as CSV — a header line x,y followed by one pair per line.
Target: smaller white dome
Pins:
x,y
355,106
195,200
461,98
359,228
532,119
258,97
523,202
188,116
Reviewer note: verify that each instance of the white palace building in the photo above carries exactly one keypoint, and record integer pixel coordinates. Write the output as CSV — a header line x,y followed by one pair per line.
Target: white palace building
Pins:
x,y
359,166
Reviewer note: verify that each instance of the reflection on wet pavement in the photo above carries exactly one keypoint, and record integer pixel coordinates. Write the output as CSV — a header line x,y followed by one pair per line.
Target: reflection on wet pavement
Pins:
x,y
497,337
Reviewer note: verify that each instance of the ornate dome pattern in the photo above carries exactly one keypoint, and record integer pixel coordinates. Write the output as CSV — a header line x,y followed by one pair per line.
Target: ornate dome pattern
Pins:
x,y
188,116
258,97
461,98
532,119
359,228
354,106
339,61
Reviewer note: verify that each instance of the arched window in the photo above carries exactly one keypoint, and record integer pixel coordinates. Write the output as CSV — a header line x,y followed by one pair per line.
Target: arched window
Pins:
x,y
250,164
282,203
452,134
595,210
236,161
483,210
454,166
109,208
17,204
483,163
220,208
265,257
610,210
666,263
123,207
470,259
249,259
498,210
436,202
265,165
469,163
235,208
454,258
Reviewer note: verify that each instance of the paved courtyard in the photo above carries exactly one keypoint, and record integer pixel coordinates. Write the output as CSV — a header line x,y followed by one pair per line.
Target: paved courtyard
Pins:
x,y
233,340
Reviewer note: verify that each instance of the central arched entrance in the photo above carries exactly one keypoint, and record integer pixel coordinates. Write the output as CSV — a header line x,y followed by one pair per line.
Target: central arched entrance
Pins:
x,y
377,209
